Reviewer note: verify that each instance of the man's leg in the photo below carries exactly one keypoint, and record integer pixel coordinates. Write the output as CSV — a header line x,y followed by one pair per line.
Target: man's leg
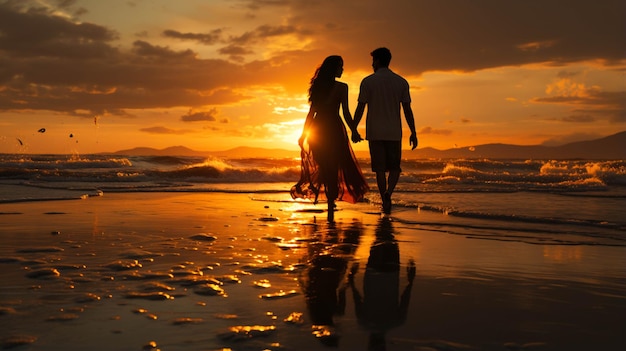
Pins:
x,y
394,157
381,181
394,176
380,164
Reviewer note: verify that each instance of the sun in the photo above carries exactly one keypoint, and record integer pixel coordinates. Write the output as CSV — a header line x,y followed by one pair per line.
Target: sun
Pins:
x,y
290,131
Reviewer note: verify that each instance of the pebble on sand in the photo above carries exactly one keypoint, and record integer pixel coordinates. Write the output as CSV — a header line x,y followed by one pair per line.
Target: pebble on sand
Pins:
x,y
263,283
43,273
203,237
63,317
88,297
150,346
209,290
124,265
187,320
280,294
154,296
17,340
6,310
294,318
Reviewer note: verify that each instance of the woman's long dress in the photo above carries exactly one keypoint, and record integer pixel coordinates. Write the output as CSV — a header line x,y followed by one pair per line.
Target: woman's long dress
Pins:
x,y
329,169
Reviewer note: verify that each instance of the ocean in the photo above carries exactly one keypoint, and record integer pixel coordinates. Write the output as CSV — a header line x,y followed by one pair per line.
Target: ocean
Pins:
x,y
110,252
573,202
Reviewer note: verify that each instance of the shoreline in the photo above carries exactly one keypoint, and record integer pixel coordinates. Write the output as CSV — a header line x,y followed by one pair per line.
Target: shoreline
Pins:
x,y
122,252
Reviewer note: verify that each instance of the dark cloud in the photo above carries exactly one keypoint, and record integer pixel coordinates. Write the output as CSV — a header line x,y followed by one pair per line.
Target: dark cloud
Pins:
x,y
36,33
608,105
235,52
49,62
38,71
146,49
469,35
258,4
430,130
211,38
200,116
263,32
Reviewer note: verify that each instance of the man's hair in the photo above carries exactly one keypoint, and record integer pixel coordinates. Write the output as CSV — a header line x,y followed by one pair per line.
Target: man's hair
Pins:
x,y
382,55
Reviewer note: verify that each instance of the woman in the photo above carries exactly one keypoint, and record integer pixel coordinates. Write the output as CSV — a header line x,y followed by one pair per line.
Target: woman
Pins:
x,y
329,168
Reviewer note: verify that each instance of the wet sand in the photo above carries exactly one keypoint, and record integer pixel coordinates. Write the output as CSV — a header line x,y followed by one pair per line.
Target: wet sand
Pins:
x,y
148,271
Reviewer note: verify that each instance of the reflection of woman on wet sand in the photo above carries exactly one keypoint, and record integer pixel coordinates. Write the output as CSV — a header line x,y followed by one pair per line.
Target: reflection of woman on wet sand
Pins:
x,y
327,261
379,309
329,168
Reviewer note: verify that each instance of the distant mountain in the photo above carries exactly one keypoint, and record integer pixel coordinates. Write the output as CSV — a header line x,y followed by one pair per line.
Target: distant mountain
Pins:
x,y
612,147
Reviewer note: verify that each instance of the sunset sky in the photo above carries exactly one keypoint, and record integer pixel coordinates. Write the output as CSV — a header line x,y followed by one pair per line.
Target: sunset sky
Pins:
x,y
216,74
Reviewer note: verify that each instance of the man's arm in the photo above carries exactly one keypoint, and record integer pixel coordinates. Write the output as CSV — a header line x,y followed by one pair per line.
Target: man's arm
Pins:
x,y
410,120
358,115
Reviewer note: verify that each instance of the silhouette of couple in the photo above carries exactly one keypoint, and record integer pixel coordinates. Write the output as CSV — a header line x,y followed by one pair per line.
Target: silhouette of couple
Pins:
x,y
329,168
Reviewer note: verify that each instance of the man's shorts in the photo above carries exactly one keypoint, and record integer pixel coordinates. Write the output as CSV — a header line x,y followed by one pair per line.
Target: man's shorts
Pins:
x,y
385,155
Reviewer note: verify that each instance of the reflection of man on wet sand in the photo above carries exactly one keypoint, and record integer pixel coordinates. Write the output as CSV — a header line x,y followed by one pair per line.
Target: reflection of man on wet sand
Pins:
x,y
379,309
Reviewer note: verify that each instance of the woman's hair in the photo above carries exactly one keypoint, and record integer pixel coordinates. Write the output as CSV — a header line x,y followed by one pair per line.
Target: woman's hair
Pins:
x,y
324,78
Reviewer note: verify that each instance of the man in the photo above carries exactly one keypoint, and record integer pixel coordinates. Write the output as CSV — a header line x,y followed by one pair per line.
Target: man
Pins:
x,y
384,92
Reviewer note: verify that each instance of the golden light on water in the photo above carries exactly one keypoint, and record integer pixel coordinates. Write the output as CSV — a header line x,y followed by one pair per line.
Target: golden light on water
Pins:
x,y
563,253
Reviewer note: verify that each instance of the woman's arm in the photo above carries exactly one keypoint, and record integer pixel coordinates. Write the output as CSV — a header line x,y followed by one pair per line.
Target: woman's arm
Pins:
x,y
345,108
307,124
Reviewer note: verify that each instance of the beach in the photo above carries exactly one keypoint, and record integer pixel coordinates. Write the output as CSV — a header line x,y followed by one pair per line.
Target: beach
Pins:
x,y
240,271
